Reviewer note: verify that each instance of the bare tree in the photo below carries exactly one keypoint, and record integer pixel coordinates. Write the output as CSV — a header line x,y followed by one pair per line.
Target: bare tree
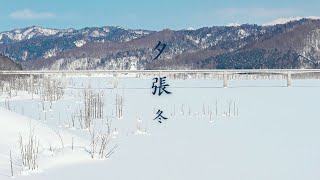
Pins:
x,y
99,142
59,135
94,138
11,166
119,106
29,151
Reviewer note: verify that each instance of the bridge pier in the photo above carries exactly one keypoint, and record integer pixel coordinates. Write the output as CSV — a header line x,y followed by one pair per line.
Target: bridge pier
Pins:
x,y
289,80
225,80
89,81
66,80
31,85
115,80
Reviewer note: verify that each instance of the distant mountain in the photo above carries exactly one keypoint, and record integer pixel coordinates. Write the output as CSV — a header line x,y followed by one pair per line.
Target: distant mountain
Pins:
x,y
295,44
8,64
35,43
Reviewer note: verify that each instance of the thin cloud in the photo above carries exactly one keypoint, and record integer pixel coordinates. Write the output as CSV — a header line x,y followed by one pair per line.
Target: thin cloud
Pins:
x,y
29,14
286,20
256,12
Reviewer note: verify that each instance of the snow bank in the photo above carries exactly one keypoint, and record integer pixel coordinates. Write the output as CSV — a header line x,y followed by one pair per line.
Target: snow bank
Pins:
x,y
12,124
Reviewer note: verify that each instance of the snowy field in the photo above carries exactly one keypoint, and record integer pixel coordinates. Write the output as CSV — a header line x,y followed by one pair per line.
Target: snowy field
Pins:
x,y
254,129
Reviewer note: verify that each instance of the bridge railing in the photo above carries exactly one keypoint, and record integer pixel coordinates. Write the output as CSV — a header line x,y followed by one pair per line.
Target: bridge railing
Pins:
x,y
220,74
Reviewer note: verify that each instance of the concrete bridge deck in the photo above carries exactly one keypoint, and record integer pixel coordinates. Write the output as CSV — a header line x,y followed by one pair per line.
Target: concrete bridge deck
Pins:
x,y
224,73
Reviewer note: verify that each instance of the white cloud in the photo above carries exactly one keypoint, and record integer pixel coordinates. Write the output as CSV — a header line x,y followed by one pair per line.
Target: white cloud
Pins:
x,y
286,20
29,14
255,12
233,24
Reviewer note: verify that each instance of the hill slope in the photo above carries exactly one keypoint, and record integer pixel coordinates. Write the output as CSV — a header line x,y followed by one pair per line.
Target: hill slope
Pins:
x,y
291,45
8,64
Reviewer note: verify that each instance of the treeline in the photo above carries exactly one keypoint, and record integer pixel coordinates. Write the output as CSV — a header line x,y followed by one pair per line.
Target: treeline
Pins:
x,y
256,59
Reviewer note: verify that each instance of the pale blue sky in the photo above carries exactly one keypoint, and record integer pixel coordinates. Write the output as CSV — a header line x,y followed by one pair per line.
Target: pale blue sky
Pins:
x,y
148,14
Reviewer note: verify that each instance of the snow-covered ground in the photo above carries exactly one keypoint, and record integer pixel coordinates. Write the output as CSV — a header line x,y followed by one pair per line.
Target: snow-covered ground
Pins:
x,y
251,130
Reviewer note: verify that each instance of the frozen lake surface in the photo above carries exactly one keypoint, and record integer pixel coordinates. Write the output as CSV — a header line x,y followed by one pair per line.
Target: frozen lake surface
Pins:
x,y
248,131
